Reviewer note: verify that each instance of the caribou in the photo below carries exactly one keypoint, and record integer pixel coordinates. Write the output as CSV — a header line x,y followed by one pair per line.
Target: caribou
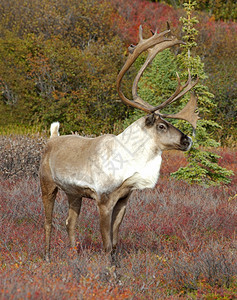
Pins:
x,y
109,167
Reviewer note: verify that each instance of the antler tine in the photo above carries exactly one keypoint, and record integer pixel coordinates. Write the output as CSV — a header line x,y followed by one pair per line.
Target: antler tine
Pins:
x,y
187,113
154,32
187,87
179,92
140,33
169,100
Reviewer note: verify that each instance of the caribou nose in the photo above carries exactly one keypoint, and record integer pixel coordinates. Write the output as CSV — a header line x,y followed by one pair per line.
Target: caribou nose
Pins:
x,y
186,142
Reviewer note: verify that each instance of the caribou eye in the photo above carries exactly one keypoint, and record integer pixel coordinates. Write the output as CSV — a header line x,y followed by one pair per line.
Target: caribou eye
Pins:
x,y
161,127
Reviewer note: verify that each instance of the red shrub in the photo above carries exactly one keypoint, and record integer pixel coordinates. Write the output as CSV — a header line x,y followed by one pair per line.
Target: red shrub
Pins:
x,y
134,13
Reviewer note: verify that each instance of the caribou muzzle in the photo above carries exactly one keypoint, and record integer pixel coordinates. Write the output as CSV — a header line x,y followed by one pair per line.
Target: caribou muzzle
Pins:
x,y
185,143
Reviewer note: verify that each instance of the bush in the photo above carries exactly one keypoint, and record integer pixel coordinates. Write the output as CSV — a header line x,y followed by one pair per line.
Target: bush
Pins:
x,y
20,155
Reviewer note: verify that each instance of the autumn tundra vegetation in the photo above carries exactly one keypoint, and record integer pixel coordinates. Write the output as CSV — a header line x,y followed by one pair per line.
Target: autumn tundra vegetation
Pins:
x,y
59,62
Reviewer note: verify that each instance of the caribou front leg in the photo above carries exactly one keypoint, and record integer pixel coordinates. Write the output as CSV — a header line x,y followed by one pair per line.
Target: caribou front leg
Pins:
x,y
117,218
105,227
112,209
106,206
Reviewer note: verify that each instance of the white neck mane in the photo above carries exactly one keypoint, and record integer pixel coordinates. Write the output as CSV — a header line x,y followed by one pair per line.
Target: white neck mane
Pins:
x,y
144,162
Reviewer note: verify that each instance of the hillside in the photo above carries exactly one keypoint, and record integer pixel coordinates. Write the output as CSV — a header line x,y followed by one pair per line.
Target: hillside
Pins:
x,y
59,60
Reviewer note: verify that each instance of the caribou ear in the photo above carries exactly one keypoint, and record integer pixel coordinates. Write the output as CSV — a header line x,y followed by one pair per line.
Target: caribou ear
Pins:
x,y
150,120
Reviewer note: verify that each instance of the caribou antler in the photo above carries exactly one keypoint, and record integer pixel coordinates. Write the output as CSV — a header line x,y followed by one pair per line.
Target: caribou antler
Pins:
x,y
154,45
188,112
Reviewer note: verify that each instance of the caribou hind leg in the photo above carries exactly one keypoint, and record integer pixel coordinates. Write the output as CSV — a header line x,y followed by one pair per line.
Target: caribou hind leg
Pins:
x,y
49,192
73,213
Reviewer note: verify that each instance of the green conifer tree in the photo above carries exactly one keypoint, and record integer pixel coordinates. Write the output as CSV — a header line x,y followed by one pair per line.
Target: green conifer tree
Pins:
x,y
159,82
203,167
